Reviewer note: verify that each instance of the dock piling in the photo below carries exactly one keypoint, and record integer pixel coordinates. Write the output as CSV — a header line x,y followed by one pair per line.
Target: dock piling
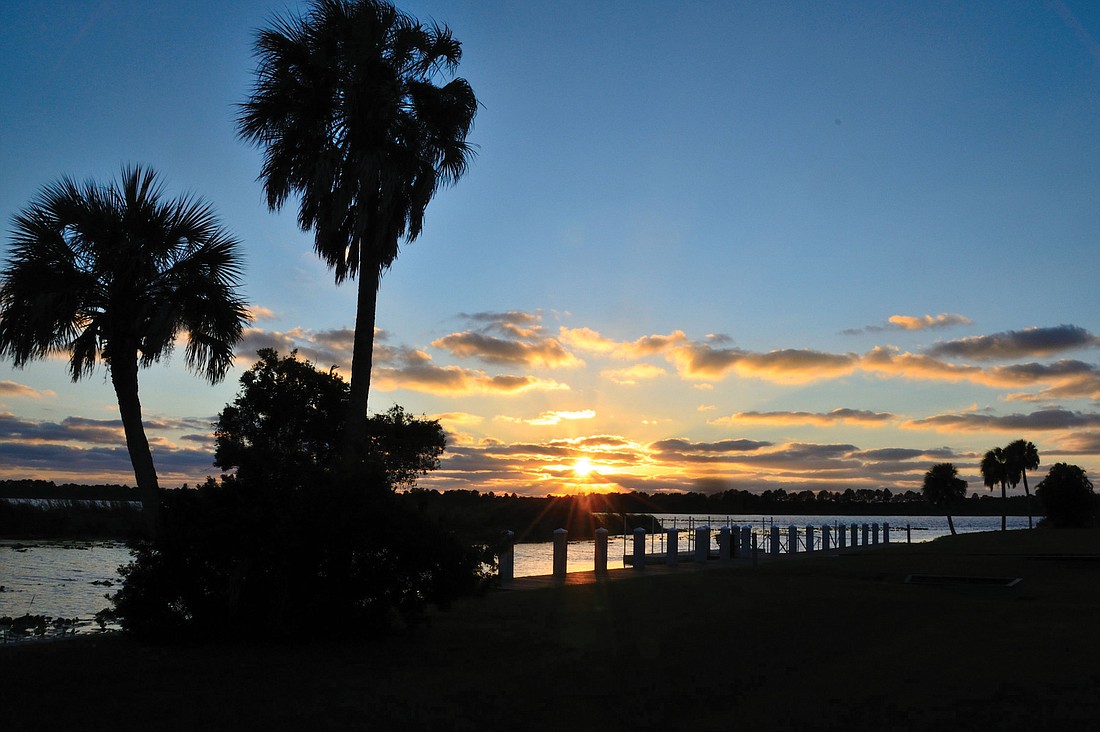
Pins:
x,y
600,552
561,554
506,563
702,543
639,548
725,544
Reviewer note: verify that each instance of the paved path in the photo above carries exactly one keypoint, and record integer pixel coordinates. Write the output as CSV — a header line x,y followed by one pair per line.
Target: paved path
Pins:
x,y
651,570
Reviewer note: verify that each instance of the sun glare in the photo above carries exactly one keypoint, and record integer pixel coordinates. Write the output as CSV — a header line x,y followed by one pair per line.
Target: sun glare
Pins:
x,y
582,467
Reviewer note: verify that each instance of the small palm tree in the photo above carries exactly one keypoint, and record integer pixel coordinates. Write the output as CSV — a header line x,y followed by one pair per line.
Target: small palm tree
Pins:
x,y
350,119
943,487
995,472
1020,457
115,273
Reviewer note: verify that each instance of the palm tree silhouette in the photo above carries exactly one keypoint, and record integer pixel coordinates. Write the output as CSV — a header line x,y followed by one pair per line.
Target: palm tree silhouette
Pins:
x,y
995,472
347,111
1020,457
943,487
115,273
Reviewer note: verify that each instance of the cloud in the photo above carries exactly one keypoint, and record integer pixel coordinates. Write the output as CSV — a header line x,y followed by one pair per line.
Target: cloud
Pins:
x,y
323,348
463,418
898,454
1030,342
511,338
703,360
678,449
890,361
796,366
546,352
90,431
586,339
258,313
1065,379
413,369
1041,420
551,418
928,322
514,317
70,429
633,374
681,464
857,417
11,388
71,463
912,323
1078,443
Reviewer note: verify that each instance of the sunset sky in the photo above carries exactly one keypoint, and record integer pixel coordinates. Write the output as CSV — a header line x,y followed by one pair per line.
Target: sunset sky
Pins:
x,y
703,245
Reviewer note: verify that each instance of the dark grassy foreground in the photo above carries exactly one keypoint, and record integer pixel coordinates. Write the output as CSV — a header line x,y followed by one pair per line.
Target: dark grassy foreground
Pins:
x,y
821,643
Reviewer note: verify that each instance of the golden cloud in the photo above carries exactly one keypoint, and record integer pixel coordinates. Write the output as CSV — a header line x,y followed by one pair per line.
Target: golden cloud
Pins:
x,y
925,322
858,417
546,352
1041,420
633,374
11,388
551,418
456,381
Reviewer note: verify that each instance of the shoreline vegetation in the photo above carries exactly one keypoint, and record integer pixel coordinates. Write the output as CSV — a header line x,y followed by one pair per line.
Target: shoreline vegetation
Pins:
x,y
43,509
836,642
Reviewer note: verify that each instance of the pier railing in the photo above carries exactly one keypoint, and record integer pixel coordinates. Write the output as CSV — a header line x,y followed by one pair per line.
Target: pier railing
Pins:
x,y
704,542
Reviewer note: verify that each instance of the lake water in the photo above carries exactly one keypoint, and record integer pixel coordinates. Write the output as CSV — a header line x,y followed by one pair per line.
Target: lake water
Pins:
x,y
60,579
69,579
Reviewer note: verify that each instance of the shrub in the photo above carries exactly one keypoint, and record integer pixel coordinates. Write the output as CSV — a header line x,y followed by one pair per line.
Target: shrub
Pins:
x,y
232,558
1067,497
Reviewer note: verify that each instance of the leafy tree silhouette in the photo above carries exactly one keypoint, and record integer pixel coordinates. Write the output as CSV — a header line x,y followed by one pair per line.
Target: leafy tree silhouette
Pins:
x,y
943,487
1067,497
115,273
347,111
1021,456
285,425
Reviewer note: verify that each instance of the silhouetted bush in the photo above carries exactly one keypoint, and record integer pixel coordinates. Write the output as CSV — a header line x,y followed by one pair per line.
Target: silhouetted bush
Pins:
x,y
1067,498
232,558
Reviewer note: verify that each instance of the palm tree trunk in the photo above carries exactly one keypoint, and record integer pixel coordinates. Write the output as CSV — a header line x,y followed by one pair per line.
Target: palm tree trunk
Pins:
x,y
951,524
1004,508
124,378
354,448
1023,473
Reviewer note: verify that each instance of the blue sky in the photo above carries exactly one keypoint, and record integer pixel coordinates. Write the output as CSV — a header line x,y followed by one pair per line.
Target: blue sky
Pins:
x,y
703,245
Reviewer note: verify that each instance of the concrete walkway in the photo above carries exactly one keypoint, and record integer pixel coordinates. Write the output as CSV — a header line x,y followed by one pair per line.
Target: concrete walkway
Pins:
x,y
685,564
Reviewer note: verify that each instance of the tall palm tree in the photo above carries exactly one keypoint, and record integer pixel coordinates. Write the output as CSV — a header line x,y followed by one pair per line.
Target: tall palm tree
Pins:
x,y
995,472
1020,457
350,119
943,487
115,273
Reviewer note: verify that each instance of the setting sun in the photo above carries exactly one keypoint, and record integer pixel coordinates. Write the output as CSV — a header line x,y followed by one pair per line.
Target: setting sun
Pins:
x,y
582,467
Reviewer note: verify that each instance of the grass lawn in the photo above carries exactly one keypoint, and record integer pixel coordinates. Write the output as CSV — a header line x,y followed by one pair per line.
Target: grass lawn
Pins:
x,y
800,643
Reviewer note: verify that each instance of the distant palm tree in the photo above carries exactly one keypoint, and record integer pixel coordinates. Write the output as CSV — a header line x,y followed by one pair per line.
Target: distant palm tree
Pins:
x,y
114,273
1020,457
347,111
995,472
943,487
